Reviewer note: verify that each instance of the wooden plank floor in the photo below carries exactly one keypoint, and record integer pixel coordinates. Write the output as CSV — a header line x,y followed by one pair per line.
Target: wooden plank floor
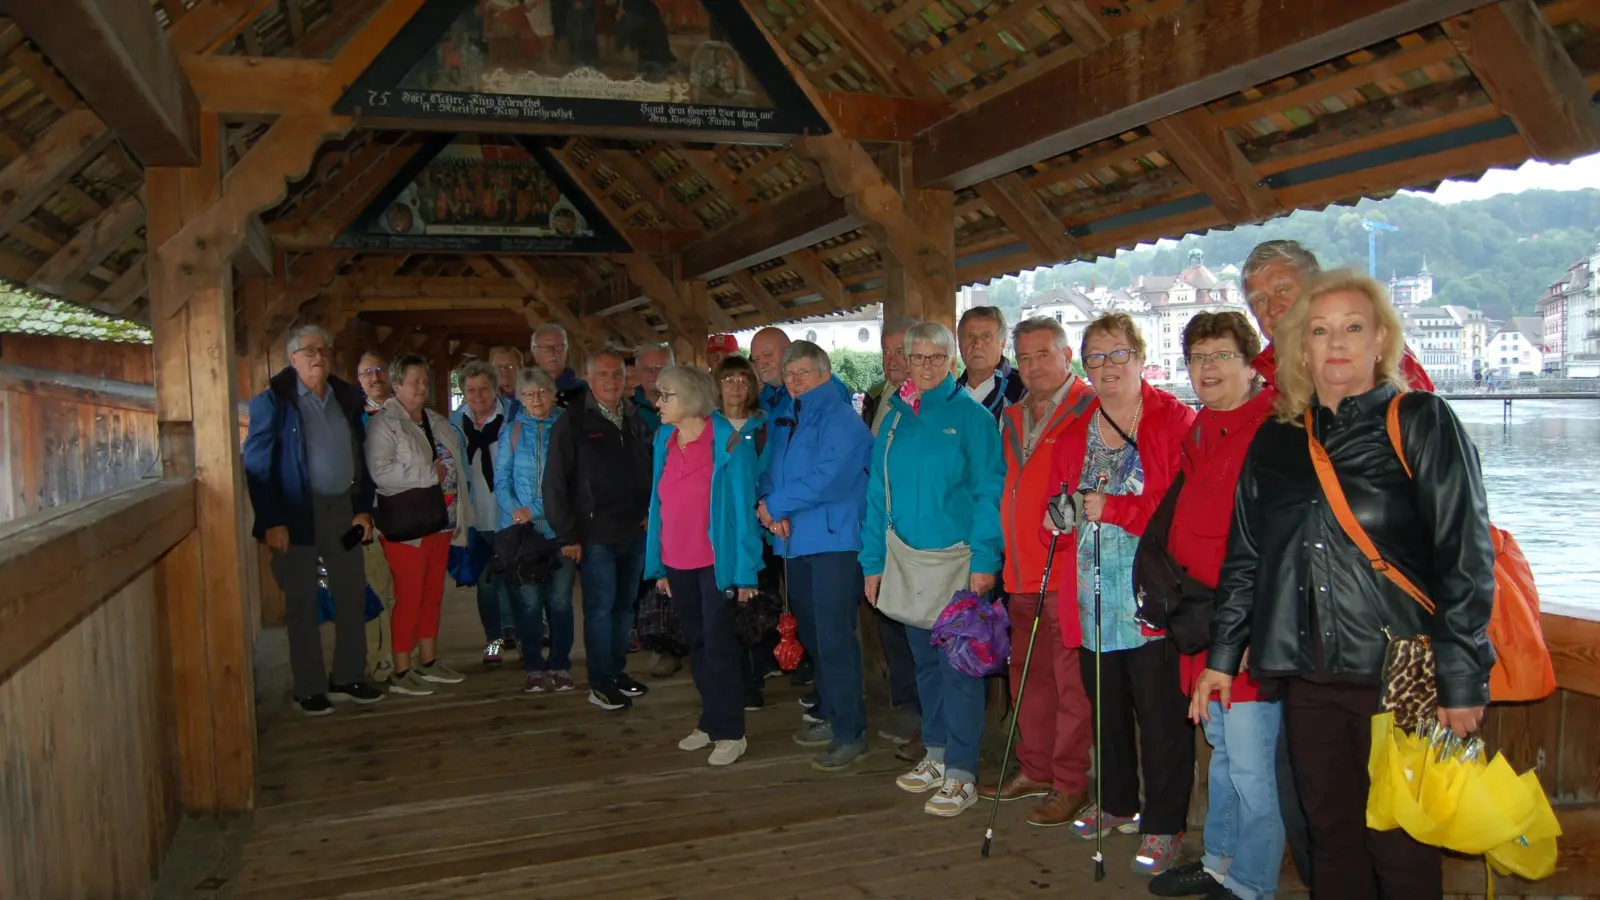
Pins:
x,y
483,790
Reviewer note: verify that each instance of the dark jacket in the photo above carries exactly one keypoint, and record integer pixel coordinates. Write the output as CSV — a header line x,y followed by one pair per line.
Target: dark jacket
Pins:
x,y
1297,592
597,479
569,387
1008,388
274,456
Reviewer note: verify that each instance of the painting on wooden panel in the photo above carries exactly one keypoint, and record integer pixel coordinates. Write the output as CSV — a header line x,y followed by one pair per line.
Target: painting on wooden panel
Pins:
x,y
686,65
483,194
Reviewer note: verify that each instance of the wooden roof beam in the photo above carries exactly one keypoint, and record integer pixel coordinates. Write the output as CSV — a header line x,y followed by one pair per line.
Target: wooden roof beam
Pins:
x,y
1215,164
797,220
1025,213
1209,49
869,40
31,178
213,23
1527,73
93,243
118,57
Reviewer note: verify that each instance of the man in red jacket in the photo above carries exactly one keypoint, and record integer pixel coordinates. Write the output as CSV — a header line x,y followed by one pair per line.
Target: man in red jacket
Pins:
x,y
1274,273
1056,725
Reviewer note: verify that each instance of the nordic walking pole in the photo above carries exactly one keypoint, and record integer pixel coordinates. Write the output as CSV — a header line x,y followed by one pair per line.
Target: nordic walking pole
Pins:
x,y
1099,743
1022,685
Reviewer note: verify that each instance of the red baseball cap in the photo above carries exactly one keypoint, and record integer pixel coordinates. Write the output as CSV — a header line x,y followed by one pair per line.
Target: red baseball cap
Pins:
x,y
725,344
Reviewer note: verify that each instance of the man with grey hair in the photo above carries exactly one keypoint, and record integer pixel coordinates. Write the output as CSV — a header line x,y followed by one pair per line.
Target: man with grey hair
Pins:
x,y
596,499
312,495
651,360
895,371
550,354
480,420
506,362
1274,274
813,494
989,378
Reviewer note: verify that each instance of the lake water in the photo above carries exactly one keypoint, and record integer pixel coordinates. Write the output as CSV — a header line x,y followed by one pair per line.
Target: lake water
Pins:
x,y
1542,473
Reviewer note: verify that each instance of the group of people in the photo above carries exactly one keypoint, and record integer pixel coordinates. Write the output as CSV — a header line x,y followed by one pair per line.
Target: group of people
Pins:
x,y
707,486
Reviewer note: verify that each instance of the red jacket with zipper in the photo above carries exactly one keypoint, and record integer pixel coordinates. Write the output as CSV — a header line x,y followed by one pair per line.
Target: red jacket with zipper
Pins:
x,y
1027,490
1163,425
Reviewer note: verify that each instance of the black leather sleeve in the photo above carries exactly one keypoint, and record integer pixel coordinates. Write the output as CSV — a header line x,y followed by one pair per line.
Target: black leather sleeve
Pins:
x,y
1450,501
1236,585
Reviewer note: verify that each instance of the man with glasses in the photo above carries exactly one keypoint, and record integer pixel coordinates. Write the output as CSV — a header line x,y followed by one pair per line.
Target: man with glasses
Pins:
x,y
304,464
651,360
596,499
989,377
813,494
372,372
550,354
506,362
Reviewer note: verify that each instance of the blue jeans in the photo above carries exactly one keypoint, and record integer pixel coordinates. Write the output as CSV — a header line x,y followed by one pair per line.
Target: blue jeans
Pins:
x,y
531,604
826,589
1244,829
495,590
952,709
611,574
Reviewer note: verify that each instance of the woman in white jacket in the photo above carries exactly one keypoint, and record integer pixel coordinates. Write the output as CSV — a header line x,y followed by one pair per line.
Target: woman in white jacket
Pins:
x,y
414,455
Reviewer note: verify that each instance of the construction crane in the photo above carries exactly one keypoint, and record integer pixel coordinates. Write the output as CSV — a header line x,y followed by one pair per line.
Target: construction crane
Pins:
x,y
1372,228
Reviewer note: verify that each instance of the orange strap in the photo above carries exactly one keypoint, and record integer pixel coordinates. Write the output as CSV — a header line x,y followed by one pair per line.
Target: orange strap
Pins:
x,y
1347,518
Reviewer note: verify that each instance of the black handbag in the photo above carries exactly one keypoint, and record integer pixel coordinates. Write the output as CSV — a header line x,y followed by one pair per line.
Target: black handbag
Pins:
x,y
415,513
525,554
657,623
1169,599
756,619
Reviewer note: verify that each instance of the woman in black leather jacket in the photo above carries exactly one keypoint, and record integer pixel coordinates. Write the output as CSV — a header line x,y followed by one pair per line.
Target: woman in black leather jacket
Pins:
x,y
1297,593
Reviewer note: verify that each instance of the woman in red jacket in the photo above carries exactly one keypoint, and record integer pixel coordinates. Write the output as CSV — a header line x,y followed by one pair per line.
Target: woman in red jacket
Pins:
x,y
1244,832
1122,455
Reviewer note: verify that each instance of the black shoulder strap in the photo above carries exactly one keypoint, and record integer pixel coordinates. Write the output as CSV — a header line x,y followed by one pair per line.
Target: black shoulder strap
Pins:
x,y
427,429
1118,428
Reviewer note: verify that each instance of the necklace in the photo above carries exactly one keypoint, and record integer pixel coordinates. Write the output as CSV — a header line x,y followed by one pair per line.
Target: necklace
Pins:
x,y
1133,425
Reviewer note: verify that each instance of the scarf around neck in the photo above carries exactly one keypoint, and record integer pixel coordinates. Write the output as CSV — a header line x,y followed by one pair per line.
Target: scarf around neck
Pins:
x,y
482,440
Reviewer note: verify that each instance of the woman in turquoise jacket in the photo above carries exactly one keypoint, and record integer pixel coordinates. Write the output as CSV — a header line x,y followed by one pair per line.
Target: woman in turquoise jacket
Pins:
x,y
703,546
936,477
518,480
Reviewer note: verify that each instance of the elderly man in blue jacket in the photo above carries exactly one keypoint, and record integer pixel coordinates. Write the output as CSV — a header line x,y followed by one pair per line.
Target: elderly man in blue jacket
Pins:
x,y
304,461
813,497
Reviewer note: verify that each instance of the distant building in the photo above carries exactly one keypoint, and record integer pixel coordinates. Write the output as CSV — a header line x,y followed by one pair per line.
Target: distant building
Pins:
x,y
1434,334
1413,290
1570,314
1474,337
1517,349
859,330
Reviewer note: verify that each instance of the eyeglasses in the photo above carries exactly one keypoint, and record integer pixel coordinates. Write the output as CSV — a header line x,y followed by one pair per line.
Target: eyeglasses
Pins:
x,y
664,396
324,352
930,359
656,369
507,367
735,379
534,393
1115,357
1196,360
371,372
798,374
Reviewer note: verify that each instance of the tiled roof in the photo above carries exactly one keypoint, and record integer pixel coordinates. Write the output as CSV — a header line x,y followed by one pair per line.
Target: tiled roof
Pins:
x,y
24,312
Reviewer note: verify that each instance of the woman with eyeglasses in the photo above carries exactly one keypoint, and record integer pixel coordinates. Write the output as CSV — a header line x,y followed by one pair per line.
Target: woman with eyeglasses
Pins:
x,y
1121,457
934,489
703,547
1244,833
739,388
519,492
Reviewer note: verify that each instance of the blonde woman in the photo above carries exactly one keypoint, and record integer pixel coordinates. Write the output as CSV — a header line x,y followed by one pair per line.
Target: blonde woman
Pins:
x,y
1303,600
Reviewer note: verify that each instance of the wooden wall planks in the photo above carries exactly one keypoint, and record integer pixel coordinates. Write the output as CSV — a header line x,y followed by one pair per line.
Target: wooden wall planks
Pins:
x,y
100,359
87,799
55,451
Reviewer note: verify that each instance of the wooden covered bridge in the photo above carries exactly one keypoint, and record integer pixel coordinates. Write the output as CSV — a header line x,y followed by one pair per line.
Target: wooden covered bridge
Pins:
x,y
443,175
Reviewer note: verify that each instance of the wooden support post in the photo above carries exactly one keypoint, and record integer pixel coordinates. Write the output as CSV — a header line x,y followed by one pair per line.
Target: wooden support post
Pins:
x,y
919,274
441,375
689,348
253,296
210,606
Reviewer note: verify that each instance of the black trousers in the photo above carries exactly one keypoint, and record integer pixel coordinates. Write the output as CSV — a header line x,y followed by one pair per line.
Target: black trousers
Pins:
x,y
715,654
1330,737
1141,687
902,667
1294,816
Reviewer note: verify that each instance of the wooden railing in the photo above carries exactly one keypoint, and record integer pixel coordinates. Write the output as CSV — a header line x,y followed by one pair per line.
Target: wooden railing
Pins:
x,y
89,763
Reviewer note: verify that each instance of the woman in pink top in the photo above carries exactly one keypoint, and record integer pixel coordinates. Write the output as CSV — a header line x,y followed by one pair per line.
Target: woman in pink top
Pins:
x,y
703,546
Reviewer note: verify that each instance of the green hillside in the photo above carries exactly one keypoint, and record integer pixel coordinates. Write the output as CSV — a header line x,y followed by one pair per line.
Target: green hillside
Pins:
x,y
1497,255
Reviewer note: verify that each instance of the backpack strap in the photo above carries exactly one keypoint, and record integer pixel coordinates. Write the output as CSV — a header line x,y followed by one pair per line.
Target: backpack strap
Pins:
x,y
1393,421
1347,518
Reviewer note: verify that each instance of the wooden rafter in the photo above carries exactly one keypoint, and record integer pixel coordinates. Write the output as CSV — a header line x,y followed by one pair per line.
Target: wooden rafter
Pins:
x,y
879,52
1215,164
799,219
93,243
1020,207
1209,49
1527,73
31,178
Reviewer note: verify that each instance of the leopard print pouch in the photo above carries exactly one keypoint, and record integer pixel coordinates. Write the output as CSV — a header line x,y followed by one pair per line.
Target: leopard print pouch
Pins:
x,y
1409,687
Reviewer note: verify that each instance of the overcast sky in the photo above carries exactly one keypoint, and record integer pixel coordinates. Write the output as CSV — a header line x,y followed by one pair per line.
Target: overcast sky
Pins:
x,y
1580,173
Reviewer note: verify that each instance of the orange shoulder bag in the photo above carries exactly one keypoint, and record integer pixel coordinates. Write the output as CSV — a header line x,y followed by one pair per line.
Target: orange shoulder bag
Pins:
x,y
1522,669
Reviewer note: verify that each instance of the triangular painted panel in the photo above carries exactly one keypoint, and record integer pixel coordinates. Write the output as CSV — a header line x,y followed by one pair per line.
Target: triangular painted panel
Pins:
x,y
688,66
483,194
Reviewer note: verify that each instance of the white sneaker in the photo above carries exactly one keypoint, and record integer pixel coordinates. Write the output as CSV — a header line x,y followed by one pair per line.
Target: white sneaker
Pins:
x,y
727,752
697,740
954,797
925,777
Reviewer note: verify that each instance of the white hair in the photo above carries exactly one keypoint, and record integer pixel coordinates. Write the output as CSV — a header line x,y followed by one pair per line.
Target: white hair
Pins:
x,y
1292,252
550,328
659,346
806,350
476,368
1041,323
301,333
934,333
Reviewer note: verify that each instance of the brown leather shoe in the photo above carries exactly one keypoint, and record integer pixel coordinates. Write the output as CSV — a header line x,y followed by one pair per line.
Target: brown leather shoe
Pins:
x,y
1058,809
1017,787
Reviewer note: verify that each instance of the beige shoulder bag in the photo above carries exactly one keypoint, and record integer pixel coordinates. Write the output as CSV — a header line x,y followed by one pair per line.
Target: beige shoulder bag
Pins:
x,y
917,584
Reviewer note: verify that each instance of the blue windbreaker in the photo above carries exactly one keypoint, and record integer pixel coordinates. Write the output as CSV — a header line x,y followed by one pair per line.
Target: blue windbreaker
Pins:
x,y
818,450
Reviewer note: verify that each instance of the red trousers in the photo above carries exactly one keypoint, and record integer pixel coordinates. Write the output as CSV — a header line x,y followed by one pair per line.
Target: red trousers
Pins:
x,y
418,588
1055,724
